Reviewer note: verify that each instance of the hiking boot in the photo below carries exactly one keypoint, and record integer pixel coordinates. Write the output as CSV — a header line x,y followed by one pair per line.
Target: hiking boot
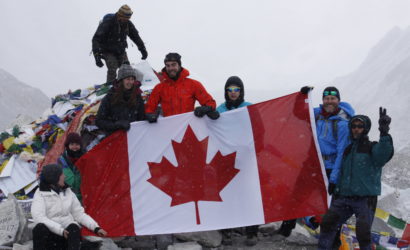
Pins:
x,y
286,228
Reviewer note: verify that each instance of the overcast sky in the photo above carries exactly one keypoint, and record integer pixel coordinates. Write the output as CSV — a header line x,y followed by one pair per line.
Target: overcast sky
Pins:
x,y
272,45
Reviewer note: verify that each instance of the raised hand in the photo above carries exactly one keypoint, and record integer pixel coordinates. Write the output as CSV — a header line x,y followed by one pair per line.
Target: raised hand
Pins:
x,y
384,121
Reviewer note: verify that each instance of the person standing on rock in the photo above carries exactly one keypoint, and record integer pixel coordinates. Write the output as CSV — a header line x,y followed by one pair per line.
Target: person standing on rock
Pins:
x,y
58,214
110,41
332,119
234,98
360,182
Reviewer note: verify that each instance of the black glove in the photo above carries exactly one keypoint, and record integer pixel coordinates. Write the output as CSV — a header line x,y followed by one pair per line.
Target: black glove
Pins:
x,y
384,122
151,117
331,188
144,54
305,89
201,111
213,114
122,124
98,60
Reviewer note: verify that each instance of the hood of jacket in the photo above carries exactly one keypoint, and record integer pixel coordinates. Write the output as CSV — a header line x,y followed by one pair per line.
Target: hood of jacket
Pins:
x,y
234,104
366,121
346,110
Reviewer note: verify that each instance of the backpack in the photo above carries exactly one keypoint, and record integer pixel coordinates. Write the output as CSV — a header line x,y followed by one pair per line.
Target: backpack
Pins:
x,y
106,17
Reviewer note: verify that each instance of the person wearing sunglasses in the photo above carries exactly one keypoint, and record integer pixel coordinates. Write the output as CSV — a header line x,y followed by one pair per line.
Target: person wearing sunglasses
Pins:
x,y
234,95
234,98
360,181
332,119
177,93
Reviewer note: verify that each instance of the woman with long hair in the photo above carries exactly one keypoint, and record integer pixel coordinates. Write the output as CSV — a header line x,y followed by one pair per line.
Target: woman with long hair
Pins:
x,y
123,104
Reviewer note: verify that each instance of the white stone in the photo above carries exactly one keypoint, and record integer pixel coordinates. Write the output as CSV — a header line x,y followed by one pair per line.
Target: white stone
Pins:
x,y
205,238
185,246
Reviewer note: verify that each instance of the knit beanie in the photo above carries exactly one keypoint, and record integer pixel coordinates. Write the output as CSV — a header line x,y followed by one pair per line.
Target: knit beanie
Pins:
x,y
126,71
125,11
73,138
173,57
50,174
331,91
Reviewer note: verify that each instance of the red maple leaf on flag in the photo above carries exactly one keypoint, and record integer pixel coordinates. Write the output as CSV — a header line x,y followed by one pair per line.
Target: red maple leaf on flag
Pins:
x,y
193,179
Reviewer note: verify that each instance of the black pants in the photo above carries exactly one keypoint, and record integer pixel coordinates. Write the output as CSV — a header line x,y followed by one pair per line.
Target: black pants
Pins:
x,y
44,239
341,209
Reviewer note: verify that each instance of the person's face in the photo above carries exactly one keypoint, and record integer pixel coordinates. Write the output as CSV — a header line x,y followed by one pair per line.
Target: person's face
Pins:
x,y
233,92
128,82
74,146
123,19
61,180
357,129
172,68
330,103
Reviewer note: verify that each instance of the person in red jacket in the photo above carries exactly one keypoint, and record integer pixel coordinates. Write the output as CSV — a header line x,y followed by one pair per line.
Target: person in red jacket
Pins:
x,y
177,93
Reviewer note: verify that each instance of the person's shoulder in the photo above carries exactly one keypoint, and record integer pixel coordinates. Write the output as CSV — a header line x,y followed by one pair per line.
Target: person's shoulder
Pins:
x,y
108,18
222,108
245,104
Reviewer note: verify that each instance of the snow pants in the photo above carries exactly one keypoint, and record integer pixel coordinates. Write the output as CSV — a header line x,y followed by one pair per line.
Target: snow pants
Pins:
x,y
113,62
44,239
341,209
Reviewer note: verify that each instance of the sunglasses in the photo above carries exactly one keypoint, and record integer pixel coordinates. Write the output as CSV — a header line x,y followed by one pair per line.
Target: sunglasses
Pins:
x,y
326,93
357,126
233,89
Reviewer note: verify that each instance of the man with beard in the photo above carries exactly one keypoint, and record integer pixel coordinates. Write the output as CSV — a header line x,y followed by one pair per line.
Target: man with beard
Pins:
x,y
332,119
110,40
360,181
177,93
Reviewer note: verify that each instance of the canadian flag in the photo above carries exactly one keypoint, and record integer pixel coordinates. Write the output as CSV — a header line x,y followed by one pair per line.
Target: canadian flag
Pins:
x,y
254,165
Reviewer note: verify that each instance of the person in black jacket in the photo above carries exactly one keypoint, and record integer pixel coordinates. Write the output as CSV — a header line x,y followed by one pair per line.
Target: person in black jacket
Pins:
x,y
123,104
110,40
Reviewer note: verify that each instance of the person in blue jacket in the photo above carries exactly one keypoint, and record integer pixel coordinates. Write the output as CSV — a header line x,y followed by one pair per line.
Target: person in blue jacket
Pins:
x,y
234,98
360,181
234,95
332,119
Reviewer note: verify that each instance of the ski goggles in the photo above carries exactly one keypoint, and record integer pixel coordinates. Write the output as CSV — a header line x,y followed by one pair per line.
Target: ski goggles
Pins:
x,y
234,89
353,126
333,92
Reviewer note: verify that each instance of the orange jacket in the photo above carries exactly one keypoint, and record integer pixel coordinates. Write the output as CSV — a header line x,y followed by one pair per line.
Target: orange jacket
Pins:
x,y
177,97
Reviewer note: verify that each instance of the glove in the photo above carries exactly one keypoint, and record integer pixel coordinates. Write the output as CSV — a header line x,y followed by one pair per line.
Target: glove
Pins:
x,y
384,122
144,54
331,188
201,111
122,124
98,60
213,114
305,89
151,117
